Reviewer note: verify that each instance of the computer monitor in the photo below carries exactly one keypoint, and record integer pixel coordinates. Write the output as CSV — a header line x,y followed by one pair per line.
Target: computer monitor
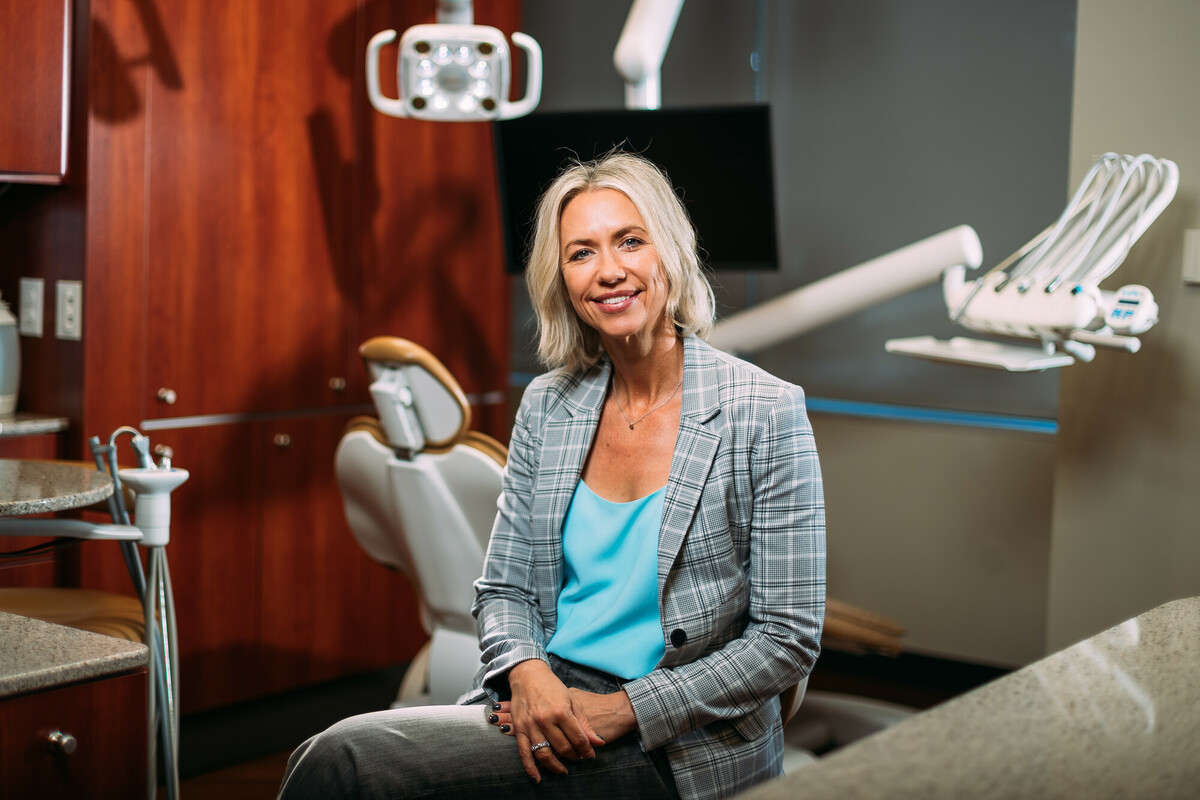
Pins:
x,y
718,159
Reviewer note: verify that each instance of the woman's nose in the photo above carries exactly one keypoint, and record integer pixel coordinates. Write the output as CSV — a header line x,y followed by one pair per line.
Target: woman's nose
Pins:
x,y
610,270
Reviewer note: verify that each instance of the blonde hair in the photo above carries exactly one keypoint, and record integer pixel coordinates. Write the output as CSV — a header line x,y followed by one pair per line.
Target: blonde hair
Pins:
x,y
564,340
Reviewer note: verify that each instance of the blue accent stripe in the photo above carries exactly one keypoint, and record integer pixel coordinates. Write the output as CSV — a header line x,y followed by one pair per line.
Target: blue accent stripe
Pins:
x,y
972,419
521,378
937,416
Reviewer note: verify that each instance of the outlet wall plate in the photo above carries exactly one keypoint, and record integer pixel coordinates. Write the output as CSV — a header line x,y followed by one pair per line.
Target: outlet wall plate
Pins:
x,y
30,306
68,317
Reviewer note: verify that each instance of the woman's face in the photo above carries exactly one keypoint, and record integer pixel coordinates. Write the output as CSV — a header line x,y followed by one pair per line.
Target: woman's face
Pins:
x,y
610,266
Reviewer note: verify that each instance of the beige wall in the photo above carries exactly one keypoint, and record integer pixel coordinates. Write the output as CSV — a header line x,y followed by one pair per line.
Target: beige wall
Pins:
x,y
945,529
1126,519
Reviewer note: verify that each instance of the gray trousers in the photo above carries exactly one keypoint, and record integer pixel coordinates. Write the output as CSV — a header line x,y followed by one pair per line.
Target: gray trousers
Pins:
x,y
453,752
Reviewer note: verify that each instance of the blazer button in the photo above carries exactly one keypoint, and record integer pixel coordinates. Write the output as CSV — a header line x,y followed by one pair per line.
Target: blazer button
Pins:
x,y
678,638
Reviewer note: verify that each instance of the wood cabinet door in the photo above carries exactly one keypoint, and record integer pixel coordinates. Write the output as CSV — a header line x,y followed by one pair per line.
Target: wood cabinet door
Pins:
x,y
35,60
327,609
247,271
107,719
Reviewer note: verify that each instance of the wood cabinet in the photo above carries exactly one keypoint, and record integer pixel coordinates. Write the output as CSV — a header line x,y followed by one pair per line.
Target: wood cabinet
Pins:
x,y
106,720
244,221
35,72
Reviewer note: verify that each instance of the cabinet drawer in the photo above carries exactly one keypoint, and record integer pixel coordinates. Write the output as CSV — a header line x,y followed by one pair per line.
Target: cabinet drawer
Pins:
x,y
106,718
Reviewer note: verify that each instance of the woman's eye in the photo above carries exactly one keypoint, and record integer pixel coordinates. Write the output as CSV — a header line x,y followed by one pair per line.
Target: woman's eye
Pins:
x,y
579,255
631,241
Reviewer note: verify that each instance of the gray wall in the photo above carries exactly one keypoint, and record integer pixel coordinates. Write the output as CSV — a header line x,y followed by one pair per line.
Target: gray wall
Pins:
x,y
892,121
1126,523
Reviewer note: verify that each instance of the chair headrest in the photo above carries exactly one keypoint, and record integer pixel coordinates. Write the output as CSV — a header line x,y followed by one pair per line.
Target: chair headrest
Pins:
x,y
419,402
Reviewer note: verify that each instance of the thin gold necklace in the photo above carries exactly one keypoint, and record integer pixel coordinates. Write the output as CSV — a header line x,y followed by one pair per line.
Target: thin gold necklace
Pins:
x,y
632,422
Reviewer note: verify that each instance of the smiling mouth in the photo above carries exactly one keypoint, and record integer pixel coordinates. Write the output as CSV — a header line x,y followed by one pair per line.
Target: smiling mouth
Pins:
x,y
616,300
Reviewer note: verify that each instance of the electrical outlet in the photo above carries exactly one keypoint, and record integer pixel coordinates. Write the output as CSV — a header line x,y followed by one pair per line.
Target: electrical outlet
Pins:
x,y
29,307
68,317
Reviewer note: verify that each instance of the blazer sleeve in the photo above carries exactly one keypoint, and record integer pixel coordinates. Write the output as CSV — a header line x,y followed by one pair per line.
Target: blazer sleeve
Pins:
x,y
786,575
507,616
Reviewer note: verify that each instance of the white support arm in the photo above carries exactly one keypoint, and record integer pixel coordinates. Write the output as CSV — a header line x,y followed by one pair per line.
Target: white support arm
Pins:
x,y
642,47
848,291
456,12
71,528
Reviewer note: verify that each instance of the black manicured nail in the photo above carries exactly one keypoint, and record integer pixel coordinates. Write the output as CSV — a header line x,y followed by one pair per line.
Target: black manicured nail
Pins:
x,y
505,729
492,718
495,706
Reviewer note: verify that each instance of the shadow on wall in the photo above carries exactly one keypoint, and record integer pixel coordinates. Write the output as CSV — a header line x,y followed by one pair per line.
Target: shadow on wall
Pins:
x,y
116,100
433,221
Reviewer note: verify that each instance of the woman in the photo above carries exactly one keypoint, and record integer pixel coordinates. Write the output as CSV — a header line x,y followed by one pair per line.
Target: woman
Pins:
x,y
656,572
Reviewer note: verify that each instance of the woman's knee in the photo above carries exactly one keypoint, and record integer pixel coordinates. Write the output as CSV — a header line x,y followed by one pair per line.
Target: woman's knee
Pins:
x,y
324,766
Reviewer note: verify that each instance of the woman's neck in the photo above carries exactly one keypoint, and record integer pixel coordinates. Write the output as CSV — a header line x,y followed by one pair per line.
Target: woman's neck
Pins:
x,y
645,372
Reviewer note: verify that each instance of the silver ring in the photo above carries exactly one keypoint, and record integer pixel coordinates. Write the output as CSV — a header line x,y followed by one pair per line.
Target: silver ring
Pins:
x,y
538,746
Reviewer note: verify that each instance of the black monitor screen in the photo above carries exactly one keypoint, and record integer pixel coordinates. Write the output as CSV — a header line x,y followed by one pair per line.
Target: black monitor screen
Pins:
x,y
719,160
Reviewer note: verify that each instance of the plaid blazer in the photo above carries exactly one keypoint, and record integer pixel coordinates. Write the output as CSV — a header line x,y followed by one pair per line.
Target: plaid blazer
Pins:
x,y
741,560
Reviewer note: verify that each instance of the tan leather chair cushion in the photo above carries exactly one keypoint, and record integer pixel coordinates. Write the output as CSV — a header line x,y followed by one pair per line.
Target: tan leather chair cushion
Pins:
x,y
99,612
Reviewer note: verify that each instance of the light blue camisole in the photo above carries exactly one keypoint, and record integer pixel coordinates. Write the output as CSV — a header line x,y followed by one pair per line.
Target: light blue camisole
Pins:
x,y
608,608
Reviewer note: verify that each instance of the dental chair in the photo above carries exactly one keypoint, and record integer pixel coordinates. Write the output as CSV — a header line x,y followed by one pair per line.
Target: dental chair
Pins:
x,y
419,491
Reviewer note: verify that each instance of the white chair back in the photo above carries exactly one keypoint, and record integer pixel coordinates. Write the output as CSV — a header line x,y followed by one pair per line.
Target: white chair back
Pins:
x,y
420,493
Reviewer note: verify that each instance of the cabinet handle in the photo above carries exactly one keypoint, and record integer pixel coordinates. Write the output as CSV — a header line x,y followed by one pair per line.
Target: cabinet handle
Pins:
x,y
60,742
283,441
337,384
166,395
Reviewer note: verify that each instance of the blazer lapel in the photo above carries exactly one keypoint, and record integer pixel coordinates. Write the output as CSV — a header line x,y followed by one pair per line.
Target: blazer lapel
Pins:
x,y
567,439
695,448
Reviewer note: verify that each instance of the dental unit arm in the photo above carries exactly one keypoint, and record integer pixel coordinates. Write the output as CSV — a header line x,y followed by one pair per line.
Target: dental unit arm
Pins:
x,y
640,51
1049,289
851,290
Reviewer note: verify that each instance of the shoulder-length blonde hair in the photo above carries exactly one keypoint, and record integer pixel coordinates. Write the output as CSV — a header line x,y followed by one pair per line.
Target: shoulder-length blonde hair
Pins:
x,y
563,339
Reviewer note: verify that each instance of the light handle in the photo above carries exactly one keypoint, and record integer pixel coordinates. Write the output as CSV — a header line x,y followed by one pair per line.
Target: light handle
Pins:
x,y
386,105
533,79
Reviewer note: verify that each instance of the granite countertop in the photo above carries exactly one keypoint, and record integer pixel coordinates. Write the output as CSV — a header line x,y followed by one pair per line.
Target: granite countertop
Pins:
x,y
33,487
31,425
1114,716
40,655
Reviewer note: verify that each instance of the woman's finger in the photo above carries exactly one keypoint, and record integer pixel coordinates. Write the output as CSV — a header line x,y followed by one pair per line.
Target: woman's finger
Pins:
x,y
527,760
544,753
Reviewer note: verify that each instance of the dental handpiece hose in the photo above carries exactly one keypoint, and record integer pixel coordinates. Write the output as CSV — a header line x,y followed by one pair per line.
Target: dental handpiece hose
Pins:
x,y
116,509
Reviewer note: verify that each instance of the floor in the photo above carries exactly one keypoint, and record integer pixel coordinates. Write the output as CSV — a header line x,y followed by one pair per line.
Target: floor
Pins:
x,y
253,780
911,680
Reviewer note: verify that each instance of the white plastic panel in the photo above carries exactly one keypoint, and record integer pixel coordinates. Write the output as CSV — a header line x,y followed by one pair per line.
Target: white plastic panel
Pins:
x,y
980,353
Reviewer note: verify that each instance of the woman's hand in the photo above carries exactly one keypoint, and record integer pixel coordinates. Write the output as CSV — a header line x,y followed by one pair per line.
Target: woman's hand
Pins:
x,y
543,710
609,715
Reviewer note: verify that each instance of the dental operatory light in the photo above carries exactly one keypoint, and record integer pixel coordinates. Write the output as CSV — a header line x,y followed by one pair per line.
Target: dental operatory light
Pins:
x,y
1049,290
454,71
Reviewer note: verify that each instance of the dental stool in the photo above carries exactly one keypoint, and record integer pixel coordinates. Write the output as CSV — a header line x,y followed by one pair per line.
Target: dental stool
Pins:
x,y
419,490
